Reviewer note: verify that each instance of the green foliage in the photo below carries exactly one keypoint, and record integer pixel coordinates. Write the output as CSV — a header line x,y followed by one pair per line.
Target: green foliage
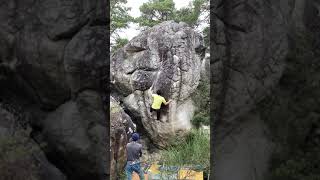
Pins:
x,y
200,119
120,17
194,150
157,11
206,36
120,42
191,14
152,13
201,98
16,161
123,176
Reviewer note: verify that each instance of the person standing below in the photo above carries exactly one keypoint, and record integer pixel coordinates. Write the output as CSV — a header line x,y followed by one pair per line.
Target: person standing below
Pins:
x,y
158,99
134,152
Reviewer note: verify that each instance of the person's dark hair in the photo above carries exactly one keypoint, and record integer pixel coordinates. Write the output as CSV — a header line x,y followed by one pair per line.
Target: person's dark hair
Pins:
x,y
135,137
159,92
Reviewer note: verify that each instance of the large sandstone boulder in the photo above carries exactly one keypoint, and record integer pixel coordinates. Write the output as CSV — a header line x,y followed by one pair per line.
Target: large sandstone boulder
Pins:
x,y
166,57
54,57
249,49
120,132
40,61
84,63
248,54
64,18
11,130
249,68
76,132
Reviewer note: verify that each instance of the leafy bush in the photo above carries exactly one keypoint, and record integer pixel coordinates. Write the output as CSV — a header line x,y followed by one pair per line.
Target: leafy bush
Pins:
x,y
200,119
194,150
201,98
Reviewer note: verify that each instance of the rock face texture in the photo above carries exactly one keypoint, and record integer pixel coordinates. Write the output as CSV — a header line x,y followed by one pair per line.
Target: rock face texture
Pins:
x,y
10,131
256,67
248,59
53,59
119,136
166,57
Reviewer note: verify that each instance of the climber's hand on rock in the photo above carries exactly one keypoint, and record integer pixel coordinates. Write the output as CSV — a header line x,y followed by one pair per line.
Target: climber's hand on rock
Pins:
x,y
168,102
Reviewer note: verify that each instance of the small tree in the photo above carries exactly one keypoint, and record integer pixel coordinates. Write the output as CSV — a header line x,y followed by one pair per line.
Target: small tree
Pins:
x,y
191,14
120,19
157,11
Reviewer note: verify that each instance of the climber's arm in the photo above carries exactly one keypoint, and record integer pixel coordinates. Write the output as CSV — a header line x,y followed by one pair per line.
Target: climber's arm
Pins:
x,y
166,102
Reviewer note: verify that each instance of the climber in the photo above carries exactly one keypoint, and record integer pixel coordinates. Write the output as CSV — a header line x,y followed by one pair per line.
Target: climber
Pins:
x,y
134,152
157,102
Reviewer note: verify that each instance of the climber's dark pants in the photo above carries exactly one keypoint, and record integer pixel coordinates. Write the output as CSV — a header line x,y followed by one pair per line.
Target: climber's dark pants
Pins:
x,y
156,110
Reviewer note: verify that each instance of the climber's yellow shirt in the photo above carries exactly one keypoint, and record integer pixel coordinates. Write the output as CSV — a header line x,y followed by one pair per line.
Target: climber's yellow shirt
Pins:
x,y
157,101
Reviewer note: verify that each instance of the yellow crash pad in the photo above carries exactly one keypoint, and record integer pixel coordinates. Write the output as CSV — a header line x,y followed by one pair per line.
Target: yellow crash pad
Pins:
x,y
154,169
135,176
190,175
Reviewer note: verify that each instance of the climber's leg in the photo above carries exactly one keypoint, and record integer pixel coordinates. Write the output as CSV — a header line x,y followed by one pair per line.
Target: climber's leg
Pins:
x,y
151,112
157,111
158,114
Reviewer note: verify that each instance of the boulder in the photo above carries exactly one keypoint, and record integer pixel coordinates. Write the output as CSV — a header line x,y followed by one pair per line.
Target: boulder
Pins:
x,y
10,129
40,63
249,51
85,64
63,19
53,57
76,137
119,136
256,77
166,57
